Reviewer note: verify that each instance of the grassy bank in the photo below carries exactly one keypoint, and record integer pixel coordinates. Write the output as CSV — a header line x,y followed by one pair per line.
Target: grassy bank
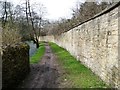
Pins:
x,y
76,75
39,53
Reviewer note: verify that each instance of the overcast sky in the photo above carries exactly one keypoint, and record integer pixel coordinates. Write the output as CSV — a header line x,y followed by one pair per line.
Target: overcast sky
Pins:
x,y
55,8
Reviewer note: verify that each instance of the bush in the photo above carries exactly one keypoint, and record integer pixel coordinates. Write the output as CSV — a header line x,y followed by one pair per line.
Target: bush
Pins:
x,y
10,36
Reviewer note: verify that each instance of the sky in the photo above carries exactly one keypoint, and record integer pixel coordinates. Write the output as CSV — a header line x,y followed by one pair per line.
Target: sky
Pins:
x,y
55,9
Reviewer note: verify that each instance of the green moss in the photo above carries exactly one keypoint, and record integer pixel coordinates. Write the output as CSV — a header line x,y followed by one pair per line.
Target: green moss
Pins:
x,y
76,74
38,55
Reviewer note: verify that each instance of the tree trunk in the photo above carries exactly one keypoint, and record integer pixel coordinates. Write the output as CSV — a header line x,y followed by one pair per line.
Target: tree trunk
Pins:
x,y
4,18
36,42
33,28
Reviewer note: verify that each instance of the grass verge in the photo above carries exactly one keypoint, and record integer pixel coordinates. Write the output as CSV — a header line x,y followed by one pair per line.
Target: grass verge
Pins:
x,y
38,55
76,75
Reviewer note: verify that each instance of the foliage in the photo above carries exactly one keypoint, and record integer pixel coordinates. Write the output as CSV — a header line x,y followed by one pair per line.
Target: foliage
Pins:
x,y
38,55
10,36
16,20
15,64
76,75
10,33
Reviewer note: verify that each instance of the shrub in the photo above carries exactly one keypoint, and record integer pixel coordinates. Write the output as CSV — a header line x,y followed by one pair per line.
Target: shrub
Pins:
x,y
10,36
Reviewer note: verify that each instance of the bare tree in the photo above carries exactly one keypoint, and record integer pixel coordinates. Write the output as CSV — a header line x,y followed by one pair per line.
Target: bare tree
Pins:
x,y
41,11
81,13
33,28
7,13
4,17
36,20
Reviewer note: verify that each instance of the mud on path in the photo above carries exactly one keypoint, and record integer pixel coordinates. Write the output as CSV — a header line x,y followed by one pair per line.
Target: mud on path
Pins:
x,y
45,74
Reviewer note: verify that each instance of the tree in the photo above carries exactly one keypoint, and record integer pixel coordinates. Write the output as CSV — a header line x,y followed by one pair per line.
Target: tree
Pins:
x,y
23,20
81,13
35,19
4,14
10,33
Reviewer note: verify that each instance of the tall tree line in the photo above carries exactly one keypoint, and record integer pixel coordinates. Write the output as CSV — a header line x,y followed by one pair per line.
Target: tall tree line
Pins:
x,y
81,13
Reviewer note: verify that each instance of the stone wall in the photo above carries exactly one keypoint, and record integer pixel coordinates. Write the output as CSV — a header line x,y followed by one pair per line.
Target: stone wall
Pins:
x,y
15,64
95,44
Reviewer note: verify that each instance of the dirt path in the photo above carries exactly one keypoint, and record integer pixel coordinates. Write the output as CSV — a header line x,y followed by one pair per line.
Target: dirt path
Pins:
x,y
44,74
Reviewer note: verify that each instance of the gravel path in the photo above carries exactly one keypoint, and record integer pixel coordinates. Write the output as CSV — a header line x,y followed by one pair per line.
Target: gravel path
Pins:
x,y
45,74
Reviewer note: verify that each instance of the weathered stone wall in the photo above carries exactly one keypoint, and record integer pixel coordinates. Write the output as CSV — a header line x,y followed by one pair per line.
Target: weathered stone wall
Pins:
x,y
95,44
15,64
